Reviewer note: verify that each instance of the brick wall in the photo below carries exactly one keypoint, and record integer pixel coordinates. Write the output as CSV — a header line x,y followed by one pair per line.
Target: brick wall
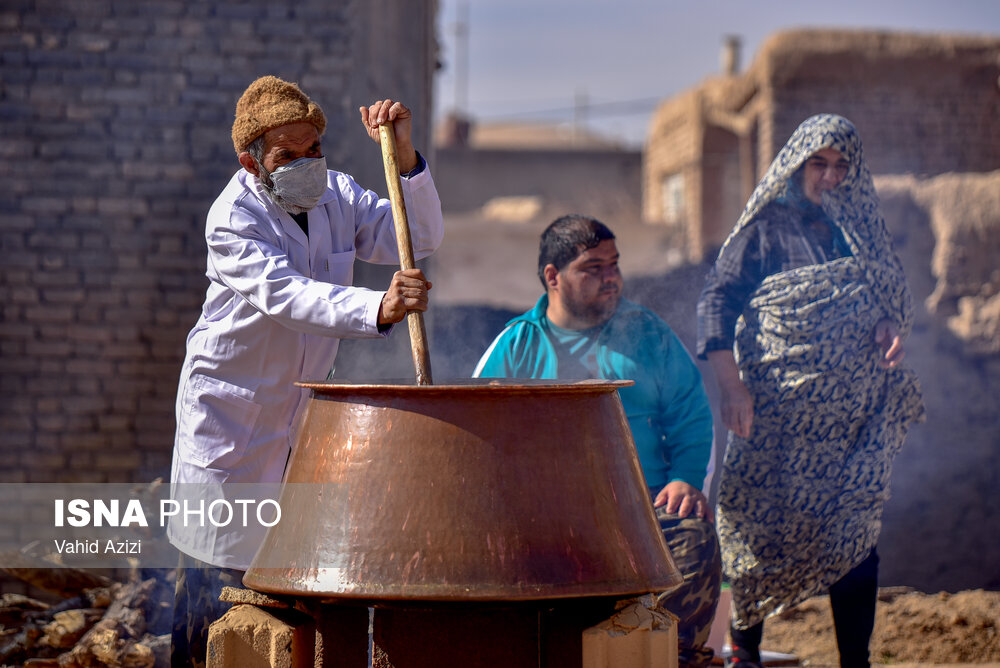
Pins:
x,y
116,118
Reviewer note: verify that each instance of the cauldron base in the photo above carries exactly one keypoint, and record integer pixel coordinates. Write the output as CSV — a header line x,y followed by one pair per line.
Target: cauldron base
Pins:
x,y
474,635
548,634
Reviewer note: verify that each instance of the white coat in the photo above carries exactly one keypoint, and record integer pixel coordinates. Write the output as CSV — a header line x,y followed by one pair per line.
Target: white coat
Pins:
x,y
277,304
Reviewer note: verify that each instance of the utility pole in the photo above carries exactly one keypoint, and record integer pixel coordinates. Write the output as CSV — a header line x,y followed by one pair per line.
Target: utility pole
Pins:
x,y
581,103
461,58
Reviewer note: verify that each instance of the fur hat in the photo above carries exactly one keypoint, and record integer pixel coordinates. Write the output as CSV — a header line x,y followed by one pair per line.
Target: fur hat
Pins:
x,y
268,103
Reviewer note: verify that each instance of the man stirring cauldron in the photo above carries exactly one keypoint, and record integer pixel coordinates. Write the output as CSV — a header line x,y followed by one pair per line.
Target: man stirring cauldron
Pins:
x,y
282,240
582,328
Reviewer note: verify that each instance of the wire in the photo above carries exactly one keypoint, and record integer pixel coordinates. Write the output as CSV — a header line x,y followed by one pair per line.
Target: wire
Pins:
x,y
620,108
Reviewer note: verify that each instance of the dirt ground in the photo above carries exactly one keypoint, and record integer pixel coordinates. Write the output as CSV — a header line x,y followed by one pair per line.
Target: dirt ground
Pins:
x,y
910,627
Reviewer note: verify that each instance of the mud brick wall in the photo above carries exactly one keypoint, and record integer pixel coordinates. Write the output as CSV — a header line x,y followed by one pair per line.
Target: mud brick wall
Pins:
x,y
115,141
923,104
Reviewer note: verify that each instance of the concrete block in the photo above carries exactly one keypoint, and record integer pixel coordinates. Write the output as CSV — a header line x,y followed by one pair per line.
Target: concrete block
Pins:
x,y
250,637
637,636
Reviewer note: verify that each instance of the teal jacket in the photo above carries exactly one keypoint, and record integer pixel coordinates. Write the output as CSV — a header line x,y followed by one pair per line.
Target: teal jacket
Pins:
x,y
667,408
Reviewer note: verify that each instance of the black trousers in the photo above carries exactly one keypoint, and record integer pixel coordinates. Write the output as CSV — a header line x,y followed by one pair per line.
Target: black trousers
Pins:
x,y
852,599
196,607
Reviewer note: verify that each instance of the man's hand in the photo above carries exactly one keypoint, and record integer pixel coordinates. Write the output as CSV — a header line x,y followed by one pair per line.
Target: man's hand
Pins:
x,y
407,292
682,499
887,339
387,110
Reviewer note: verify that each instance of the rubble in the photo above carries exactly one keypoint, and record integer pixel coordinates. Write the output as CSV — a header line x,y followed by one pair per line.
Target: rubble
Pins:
x,y
100,622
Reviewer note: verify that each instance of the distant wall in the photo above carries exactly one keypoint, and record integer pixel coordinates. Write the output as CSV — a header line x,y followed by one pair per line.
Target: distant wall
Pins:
x,y
923,104
116,119
675,151
582,180
940,524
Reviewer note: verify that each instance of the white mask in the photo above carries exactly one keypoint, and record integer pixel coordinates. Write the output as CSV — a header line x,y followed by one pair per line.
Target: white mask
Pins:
x,y
297,186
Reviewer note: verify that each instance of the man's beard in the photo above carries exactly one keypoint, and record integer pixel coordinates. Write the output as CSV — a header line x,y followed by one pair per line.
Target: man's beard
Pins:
x,y
268,186
596,313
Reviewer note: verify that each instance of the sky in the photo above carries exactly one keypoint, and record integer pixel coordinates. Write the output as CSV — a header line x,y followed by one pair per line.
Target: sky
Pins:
x,y
529,60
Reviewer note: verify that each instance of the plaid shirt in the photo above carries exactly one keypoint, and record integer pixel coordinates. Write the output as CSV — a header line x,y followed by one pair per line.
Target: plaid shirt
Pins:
x,y
780,238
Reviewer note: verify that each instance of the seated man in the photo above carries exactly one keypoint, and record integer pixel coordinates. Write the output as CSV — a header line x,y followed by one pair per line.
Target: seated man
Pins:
x,y
581,328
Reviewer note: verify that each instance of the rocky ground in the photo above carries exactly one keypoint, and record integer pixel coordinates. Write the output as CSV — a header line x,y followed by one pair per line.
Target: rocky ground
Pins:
x,y
910,628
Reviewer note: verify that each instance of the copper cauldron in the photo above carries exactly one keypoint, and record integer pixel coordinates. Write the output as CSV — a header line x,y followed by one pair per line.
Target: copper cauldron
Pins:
x,y
481,491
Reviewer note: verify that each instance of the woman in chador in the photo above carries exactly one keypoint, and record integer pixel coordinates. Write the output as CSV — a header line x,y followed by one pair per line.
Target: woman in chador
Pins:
x,y
802,320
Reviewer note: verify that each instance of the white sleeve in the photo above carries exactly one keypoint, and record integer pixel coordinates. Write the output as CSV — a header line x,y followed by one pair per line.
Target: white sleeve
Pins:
x,y
375,236
242,257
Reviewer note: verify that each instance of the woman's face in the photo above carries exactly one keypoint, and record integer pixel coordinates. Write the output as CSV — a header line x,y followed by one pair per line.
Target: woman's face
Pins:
x,y
824,170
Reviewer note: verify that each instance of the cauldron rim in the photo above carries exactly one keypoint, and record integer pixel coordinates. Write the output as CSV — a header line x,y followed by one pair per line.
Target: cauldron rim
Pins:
x,y
464,385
